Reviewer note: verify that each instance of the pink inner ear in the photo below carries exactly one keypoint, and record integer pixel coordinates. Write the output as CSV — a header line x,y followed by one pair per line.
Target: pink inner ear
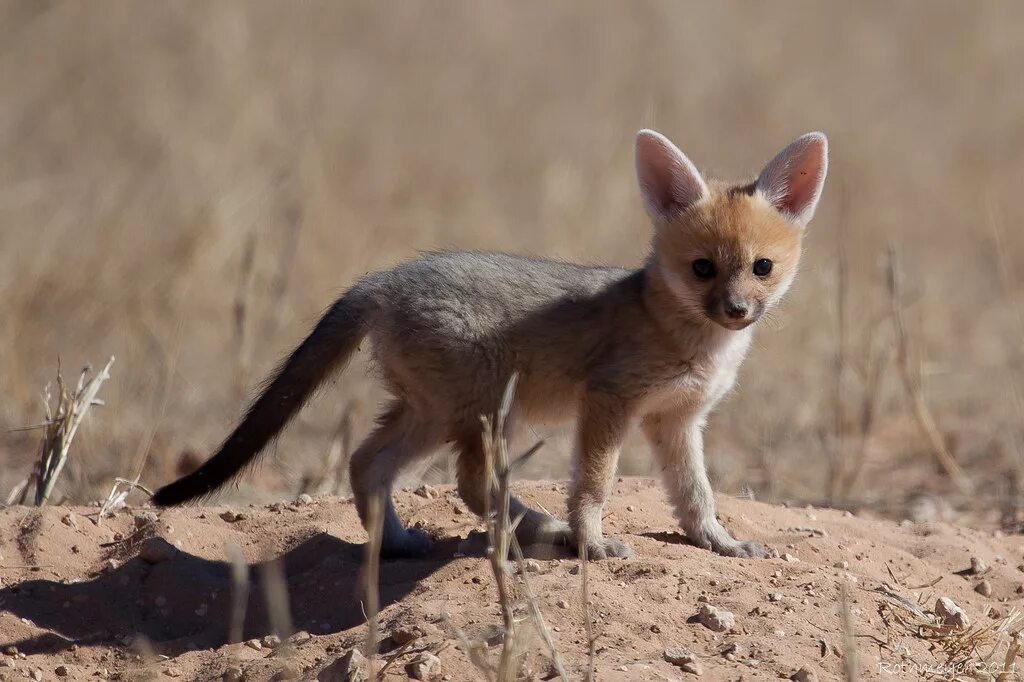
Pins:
x,y
792,181
803,186
669,182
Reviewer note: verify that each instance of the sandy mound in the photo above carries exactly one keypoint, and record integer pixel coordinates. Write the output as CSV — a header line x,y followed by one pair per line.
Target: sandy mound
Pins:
x,y
78,601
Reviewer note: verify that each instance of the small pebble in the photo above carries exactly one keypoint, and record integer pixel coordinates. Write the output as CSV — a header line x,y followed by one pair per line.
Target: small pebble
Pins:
x,y
718,620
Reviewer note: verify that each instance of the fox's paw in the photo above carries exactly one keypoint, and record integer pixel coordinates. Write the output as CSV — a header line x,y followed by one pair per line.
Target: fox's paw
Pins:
x,y
608,548
748,549
713,536
412,544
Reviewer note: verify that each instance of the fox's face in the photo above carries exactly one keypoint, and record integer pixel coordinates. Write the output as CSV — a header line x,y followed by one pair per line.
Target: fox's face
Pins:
x,y
729,253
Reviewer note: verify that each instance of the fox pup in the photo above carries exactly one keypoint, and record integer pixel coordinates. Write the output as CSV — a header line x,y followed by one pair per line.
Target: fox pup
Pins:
x,y
656,347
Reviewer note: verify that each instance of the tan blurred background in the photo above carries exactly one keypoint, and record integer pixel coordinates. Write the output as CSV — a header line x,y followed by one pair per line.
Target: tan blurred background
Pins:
x,y
186,185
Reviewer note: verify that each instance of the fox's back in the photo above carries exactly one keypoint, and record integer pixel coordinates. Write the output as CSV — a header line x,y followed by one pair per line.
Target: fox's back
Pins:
x,y
474,317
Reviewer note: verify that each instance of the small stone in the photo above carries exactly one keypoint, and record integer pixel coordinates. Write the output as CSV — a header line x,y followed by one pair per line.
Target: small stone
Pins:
x,y
305,498
685,660
1020,588
300,637
786,556
984,588
733,651
350,667
233,674
69,520
951,615
425,491
562,604
145,518
978,566
61,671
271,641
574,570
288,671
426,667
403,636
804,674
156,550
254,644
841,565
532,566
774,597
656,629
679,656
718,620
230,516
37,674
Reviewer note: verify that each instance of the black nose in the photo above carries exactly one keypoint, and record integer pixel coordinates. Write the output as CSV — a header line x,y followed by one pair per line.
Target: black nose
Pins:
x,y
736,311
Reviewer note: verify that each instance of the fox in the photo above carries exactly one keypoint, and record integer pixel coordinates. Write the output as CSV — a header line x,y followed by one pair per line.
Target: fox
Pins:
x,y
655,347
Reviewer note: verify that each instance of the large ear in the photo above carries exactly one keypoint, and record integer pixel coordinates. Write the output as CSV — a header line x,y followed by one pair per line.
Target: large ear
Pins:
x,y
793,180
669,182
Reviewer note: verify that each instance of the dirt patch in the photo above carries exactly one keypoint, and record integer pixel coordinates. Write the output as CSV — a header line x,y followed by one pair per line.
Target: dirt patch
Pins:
x,y
140,595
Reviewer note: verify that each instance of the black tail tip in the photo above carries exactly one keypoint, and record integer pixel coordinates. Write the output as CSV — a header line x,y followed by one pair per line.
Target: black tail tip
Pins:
x,y
174,494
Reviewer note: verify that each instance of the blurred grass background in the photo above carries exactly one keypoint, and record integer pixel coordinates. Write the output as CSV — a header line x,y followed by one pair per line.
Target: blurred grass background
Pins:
x,y
187,185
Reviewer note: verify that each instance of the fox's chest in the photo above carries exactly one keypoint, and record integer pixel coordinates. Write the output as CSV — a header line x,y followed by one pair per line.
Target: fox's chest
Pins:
x,y
705,380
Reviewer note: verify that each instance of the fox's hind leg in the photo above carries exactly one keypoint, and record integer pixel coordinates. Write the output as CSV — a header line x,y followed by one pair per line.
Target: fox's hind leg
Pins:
x,y
401,437
536,526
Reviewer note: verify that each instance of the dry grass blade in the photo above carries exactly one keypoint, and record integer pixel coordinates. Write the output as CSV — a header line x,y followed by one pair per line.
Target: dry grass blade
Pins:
x,y
371,577
502,539
588,620
275,591
61,425
911,378
239,593
849,639
957,650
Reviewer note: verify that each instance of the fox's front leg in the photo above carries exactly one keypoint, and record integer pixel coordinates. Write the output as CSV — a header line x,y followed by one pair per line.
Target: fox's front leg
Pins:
x,y
602,425
678,443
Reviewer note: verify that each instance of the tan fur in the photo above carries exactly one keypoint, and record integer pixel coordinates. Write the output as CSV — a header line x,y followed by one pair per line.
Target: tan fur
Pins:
x,y
656,347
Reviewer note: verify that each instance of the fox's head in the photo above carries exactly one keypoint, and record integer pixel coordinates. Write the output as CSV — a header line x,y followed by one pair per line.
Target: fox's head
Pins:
x,y
729,252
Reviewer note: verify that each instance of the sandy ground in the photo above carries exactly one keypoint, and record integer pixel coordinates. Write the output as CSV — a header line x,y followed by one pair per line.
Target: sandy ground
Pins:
x,y
81,600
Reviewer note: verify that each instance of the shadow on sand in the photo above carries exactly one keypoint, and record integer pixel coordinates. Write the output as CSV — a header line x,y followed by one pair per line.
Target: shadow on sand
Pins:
x,y
185,602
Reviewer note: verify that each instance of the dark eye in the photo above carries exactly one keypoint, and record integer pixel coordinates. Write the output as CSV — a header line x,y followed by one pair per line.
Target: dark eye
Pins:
x,y
762,267
703,268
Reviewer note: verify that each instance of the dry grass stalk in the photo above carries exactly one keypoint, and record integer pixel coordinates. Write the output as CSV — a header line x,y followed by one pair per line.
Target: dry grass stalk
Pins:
x,y
371,578
849,639
242,306
275,591
61,425
959,651
912,384
502,539
118,495
239,593
588,620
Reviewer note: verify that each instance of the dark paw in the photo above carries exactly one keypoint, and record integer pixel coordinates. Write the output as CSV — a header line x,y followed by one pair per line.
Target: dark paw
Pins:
x,y
413,544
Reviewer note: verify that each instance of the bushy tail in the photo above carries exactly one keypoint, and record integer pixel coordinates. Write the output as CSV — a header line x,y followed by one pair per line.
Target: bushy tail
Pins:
x,y
335,337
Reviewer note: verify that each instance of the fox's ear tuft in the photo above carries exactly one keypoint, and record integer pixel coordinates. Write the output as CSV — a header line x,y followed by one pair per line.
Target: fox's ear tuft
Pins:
x,y
793,180
669,182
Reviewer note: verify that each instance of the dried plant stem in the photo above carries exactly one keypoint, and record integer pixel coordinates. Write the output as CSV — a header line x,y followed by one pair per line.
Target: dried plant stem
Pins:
x,y
61,425
911,378
588,620
371,579
502,538
239,593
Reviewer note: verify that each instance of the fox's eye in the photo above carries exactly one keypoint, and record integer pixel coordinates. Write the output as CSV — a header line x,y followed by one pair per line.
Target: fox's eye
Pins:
x,y
762,267
703,268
